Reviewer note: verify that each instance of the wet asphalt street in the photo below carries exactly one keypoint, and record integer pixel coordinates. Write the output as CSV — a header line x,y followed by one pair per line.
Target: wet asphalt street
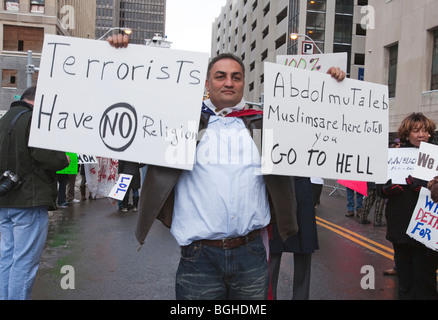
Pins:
x,y
96,243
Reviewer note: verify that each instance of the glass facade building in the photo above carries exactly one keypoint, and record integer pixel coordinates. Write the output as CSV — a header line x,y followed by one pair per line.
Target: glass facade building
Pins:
x,y
145,17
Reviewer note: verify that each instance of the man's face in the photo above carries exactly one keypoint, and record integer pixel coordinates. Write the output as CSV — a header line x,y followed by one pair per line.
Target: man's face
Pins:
x,y
225,83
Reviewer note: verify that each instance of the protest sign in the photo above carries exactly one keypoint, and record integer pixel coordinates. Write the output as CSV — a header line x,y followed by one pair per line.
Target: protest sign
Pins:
x,y
86,159
101,176
423,226
119,190
72,167
358,186
315,62
401,164
316,126
427,164
138,104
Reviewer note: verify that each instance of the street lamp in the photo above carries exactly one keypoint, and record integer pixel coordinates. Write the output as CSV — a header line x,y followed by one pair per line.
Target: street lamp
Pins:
x,y
127,31
295,36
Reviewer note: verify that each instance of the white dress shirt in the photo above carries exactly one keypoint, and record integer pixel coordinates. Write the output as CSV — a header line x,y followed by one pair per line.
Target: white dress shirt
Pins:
x,y
224,196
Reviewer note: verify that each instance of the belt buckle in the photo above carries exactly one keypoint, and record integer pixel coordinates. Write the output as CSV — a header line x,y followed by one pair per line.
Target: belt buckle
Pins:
x,y
224,244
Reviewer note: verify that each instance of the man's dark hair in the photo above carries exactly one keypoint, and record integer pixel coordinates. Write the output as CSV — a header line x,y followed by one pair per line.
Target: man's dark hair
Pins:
x,y
29,94
225,56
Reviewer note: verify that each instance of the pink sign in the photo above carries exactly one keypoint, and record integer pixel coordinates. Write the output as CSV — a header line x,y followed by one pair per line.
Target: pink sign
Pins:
x,y
359,186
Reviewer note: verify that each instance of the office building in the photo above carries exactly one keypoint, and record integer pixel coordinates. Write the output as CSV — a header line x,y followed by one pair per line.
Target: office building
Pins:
x,y
23,24
402,52
258,31
146,18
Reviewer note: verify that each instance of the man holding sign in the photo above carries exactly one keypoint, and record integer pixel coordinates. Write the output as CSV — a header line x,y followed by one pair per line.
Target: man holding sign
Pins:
x,y
416,264
220,209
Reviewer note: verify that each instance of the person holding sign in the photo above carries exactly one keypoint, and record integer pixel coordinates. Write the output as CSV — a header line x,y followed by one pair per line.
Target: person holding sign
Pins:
x,y
433,187
218,211
416,264
131,168
27,190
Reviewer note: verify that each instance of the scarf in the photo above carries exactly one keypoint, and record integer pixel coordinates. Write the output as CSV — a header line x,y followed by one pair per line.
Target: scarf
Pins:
x,y
237,111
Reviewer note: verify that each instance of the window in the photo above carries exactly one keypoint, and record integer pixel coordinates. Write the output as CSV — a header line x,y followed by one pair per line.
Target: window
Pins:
x,y
344,48
294,16
360,31
359,59
343,28
392,72
315,21
266,9
282,15
9,78
17,38
434,83
280,41
12,5
265,32
264,55
345,6
37,6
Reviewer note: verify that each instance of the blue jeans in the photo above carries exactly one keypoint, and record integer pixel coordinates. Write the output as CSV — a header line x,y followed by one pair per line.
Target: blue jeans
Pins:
x,y
23,235
351,202
212,273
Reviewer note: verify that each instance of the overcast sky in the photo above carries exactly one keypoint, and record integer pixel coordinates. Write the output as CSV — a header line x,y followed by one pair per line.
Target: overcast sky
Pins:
x,y
189,23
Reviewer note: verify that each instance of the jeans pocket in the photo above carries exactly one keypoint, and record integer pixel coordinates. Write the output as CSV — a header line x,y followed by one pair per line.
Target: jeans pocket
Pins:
x,y
256,246
191,252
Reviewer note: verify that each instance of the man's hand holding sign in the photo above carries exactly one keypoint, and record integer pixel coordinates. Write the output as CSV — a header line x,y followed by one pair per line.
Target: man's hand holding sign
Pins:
x,y
314,126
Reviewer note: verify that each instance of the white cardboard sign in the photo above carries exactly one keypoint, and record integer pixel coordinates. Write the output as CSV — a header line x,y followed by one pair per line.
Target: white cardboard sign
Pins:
x,y
119,190
423,226
316,126
315,62
139,104
401,164
427,165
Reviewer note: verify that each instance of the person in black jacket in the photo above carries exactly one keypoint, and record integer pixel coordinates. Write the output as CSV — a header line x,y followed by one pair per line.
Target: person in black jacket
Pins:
x,y
416,264
131,168
24,201
302,245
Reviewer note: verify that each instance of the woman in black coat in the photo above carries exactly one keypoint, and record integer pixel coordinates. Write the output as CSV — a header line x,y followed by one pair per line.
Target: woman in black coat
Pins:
x,y
302,244
416,264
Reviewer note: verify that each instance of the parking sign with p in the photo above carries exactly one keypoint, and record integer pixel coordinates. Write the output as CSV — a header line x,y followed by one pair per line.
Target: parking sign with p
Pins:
x,y
308,47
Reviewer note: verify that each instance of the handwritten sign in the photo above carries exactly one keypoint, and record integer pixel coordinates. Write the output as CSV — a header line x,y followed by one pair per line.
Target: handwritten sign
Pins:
x,y
401,164
315,62
316,126
426,167
423,226
86,159
138,104
118,192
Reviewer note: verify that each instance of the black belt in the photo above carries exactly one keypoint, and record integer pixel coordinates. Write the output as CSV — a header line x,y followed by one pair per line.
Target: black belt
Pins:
x,y
231,243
